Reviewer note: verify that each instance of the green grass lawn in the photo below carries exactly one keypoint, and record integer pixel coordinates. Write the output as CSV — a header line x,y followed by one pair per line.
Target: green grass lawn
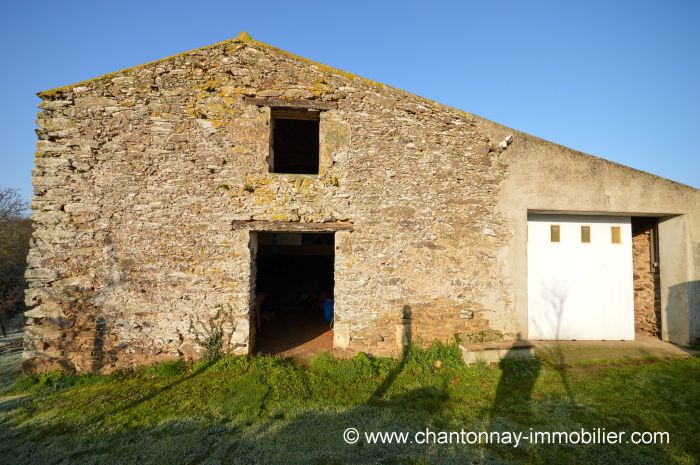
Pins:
x,y
10,359
263,409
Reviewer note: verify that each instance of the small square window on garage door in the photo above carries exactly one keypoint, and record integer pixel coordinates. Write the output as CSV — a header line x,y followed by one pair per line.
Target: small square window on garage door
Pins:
x,y
555,233
615,235
585,234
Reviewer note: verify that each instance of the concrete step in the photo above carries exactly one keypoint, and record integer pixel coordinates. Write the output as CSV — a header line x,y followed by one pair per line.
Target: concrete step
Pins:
x,y
494,352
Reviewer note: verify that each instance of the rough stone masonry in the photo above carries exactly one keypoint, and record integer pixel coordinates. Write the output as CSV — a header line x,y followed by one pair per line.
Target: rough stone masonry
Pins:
x,y
150,182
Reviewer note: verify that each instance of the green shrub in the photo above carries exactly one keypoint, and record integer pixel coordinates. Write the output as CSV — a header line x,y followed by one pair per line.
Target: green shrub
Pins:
x,y
361,366
59,380
439,355
212,344
55,380
167,369
227,363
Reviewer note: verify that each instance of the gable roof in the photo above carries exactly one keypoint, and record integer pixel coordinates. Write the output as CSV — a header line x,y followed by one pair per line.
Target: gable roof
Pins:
x,y
242,37
245,38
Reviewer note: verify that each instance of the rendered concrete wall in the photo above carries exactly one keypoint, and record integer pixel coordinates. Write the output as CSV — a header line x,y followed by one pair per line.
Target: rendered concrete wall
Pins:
x,y
545,177
675,282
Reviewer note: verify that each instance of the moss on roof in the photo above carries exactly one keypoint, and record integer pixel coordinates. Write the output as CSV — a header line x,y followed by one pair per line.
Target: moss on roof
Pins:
x,y
50,93
242,37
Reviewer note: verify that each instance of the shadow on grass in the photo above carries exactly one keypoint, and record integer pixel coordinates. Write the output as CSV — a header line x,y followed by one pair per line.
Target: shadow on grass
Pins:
x,y
310,437
514,391
281,429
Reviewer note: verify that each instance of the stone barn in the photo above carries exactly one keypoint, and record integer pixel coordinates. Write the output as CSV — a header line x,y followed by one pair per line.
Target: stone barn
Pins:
x,y
244,195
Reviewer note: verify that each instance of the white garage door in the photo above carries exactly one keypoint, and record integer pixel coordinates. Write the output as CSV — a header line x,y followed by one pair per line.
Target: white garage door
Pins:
x,y
580,277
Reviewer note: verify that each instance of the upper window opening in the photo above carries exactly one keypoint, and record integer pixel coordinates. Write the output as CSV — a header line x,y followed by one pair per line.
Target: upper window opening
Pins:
x,y
616,237
295,141
586,234
554,234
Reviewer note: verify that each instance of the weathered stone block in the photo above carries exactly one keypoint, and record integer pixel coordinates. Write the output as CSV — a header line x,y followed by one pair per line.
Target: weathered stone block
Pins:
x,y
341,335
40,275
45,310
43,333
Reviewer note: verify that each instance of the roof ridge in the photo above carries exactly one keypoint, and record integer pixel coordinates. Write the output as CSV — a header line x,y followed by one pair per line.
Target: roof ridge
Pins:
x,y
244,37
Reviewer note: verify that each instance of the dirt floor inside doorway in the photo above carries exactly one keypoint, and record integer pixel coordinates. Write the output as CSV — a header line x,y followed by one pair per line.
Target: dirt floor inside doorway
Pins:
x,y
294,284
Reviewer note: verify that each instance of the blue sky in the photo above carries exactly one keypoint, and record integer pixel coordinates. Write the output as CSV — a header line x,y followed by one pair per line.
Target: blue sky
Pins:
x,y
620,80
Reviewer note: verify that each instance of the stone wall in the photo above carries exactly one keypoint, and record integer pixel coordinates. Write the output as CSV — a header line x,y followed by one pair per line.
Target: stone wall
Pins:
x,y
141,176
647,297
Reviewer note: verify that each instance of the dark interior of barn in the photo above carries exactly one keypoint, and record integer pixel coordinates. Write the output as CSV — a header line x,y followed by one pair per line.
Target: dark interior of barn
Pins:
x,y
294,281
295,142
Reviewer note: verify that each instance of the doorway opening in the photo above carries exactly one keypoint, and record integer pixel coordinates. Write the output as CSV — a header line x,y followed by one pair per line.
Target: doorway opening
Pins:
x,y
646,274
294,293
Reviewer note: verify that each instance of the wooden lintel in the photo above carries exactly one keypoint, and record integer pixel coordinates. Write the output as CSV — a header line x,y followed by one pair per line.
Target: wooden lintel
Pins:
x,y
291,103
288,226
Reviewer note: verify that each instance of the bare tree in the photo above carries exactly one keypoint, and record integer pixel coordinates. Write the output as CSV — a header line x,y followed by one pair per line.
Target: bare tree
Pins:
x,y
11,204
15,232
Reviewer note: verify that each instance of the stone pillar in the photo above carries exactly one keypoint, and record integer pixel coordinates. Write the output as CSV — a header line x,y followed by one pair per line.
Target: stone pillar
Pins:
x,y
647,299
